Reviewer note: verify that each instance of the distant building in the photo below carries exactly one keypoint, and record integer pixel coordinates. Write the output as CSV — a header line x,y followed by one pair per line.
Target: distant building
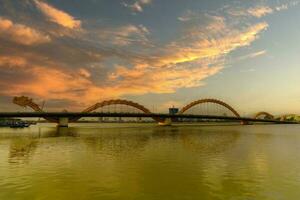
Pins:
x,y
173,111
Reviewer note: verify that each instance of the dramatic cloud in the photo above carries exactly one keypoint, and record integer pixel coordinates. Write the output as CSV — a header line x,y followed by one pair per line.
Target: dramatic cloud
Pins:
x,y
57,16
184,63
187,62
114,60
213,40
47,82
43,81
162,80
21,34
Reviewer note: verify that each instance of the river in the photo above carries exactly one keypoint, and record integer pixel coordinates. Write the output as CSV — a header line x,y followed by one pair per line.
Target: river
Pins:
x,y
145,161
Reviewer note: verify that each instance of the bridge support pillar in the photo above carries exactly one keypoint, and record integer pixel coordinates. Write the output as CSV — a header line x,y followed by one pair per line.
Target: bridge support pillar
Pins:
x,y
245,123
166,122
63,122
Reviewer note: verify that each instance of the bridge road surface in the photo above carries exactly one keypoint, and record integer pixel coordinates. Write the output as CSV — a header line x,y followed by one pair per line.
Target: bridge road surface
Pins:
x,y
133,115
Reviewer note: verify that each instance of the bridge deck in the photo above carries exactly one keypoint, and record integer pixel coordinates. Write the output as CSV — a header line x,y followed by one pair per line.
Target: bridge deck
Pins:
x,y
133,115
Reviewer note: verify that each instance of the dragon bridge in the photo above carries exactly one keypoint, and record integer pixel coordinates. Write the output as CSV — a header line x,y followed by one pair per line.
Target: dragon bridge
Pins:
x,y
26,101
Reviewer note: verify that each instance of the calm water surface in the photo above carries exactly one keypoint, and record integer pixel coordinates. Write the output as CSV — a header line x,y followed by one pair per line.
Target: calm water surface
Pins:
x,y
148,162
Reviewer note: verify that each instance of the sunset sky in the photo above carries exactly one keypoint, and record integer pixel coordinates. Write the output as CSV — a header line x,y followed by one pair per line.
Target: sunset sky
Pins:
x,y
159,53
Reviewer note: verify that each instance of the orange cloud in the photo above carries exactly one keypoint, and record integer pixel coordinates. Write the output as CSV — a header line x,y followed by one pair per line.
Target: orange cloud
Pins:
x,y
162,80
49,83
211,48
12,61
57,16
21,34
185,63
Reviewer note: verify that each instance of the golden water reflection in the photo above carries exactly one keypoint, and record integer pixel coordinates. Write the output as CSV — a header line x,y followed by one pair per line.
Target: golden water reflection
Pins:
x,y
150,162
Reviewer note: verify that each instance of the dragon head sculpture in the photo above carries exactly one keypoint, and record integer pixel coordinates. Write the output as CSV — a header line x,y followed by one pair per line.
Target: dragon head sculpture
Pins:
x,y
22,101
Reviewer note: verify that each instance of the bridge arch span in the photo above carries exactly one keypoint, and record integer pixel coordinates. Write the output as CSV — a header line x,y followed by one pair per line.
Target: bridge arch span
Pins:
x,y
257,115
201,101
117,102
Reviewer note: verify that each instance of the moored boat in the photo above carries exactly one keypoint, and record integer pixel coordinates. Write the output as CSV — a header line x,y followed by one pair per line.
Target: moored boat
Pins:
x,y
19,124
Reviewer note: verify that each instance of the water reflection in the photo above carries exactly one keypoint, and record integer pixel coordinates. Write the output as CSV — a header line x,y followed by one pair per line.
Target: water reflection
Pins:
x,y
166,132
21,149
117,141
64,131
150,162
209,141
44,132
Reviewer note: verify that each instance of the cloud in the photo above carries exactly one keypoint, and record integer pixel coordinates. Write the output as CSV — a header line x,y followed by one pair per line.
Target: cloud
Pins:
x,y
282,7
85,73
12,61
257,11
287,5
21,34
43,81
164,80
253,55
109,62
187,62
260,11
184,63
48,82
58,16
125,35
138,5
187,16
203,46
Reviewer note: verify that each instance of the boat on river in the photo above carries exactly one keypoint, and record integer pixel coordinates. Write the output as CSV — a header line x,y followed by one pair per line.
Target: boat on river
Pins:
x,y
19,124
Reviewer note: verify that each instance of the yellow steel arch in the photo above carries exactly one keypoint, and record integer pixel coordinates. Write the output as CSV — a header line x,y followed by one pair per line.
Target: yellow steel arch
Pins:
x,y
257,115
202,101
